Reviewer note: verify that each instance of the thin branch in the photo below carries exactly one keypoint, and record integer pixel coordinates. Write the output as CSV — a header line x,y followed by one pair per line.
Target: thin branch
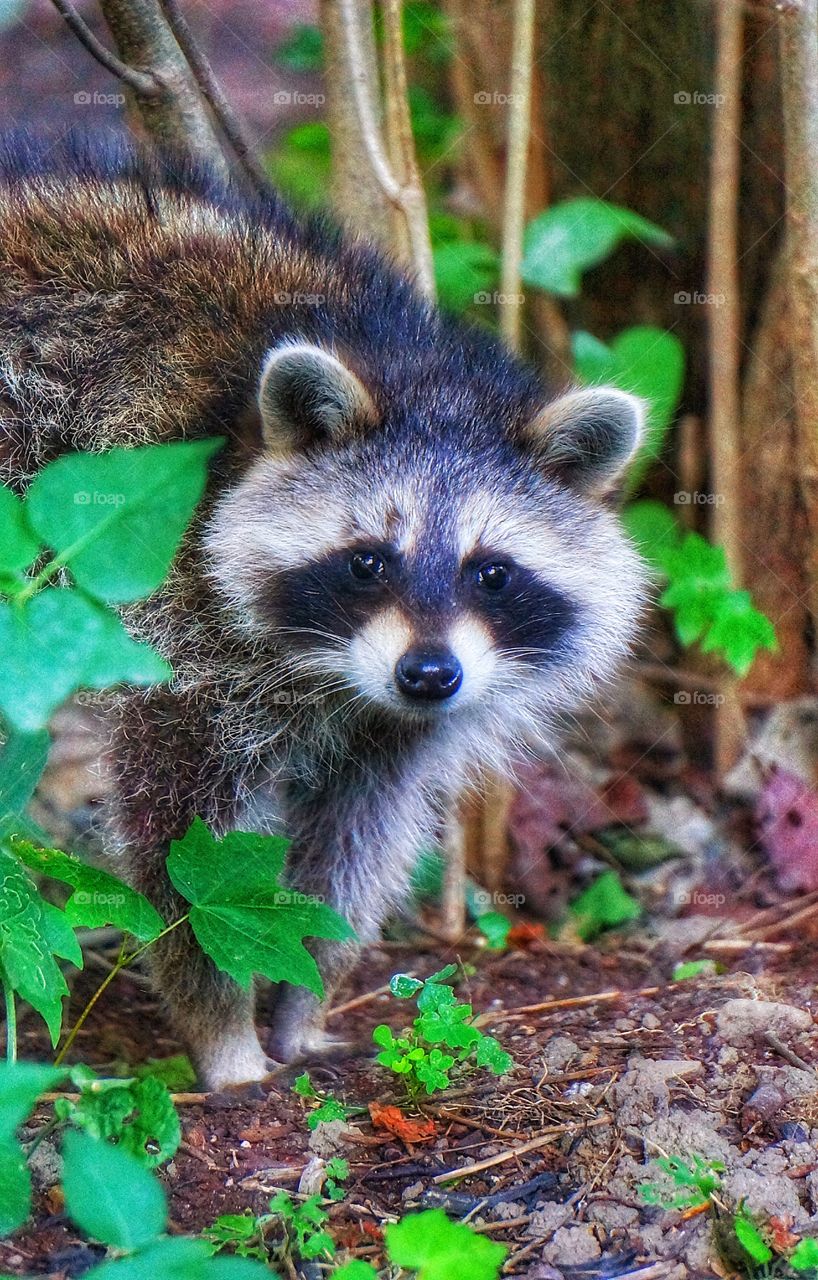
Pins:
x,y
519,128
143,83
402,148
398,195
228,121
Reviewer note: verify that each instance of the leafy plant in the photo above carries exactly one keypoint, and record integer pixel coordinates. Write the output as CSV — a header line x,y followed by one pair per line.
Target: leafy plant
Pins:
x,y
328,1109
605,904
495,928
751,1239
138,1116
805,1255
303,1225
439,1249
697,1181
442,1020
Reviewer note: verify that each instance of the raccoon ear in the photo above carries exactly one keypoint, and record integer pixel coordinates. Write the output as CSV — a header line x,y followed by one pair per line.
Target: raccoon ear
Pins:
x,y
587,438
307,396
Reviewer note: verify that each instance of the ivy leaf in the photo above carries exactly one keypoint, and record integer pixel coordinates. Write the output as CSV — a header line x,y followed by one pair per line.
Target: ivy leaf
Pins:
x,y
98,898
110,1194
32,933
646,361
243,918
738,631
117,518
604,905
60,641
698,579
18,545
577,234
21,1083
439,1249
138,1116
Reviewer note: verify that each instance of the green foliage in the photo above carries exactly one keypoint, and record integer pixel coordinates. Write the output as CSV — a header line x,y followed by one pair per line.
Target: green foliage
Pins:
x,y
21,1083
245,920
439,1249
98,898
303,50
303,1225
466,272
355,1270
113,522
22,760
751,1239
110,1194
699,591
805,1255
33,934
138,1116
495,928
328,1109
647,362
697,1180
175,1072
337,1172
566,240
693,969
242,1233
605,904
415,1053
301,166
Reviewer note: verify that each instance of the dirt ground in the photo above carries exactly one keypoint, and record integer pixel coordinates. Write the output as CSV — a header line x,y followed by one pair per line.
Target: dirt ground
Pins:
x,y
619,1065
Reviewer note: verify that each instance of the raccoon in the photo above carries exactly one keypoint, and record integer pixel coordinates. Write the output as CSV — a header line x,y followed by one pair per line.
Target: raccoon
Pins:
x,y
405,569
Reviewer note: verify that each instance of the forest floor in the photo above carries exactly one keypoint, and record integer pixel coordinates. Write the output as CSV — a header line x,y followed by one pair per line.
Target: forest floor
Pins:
x,y
617,1062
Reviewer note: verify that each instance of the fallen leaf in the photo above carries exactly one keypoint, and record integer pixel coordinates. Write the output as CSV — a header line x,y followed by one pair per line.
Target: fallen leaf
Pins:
x,y
407,1129
787,818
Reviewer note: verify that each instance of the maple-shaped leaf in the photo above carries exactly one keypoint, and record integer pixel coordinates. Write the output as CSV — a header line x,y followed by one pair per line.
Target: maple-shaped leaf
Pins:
x,y
698,579
98,898
738,631
32,933
439,1249
243,917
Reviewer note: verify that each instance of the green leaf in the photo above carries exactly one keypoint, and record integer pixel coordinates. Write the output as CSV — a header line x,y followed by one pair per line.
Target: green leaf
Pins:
x,y
654,529
60,641
243,918
355,1270
646,361
175,1072
738,631
805,1255
303,50
698,580
404,986
98,898
329,1110
110,1194
467,274
117,518
751,1239
439,1249
181,1258
301,166
495,928
138,1116
638,853
18,545
491,1054
32,932
604,905
692,969
22,762
577,234
21,1083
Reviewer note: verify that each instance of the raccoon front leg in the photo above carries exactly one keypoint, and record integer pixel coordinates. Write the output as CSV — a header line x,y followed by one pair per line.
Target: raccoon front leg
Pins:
x,y
355,845
168,766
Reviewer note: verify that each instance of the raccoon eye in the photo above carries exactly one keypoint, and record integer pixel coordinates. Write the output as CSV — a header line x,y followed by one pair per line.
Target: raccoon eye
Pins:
x,y
493,577
368,566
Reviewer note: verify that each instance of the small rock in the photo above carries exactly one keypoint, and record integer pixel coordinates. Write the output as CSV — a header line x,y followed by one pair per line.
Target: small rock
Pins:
x,y
559,1052
650,1022
643,1094
612,1215
765,1195
572,1246
761,1106
414,1192
742,1020
547,1219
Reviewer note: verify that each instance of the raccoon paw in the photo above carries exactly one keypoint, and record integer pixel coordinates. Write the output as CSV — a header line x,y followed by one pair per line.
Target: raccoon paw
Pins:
x,y
233,1063
295,1043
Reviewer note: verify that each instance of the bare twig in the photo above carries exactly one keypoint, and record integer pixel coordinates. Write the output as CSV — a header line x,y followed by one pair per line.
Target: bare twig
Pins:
x,y
544,1138
143,83
229,123
519,117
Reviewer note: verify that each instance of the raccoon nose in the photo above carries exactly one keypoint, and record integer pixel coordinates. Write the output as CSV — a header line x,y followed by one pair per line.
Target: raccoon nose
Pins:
x,y
429,674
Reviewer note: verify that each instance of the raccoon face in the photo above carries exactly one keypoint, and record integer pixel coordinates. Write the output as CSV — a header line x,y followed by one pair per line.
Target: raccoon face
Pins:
x,y
430,564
